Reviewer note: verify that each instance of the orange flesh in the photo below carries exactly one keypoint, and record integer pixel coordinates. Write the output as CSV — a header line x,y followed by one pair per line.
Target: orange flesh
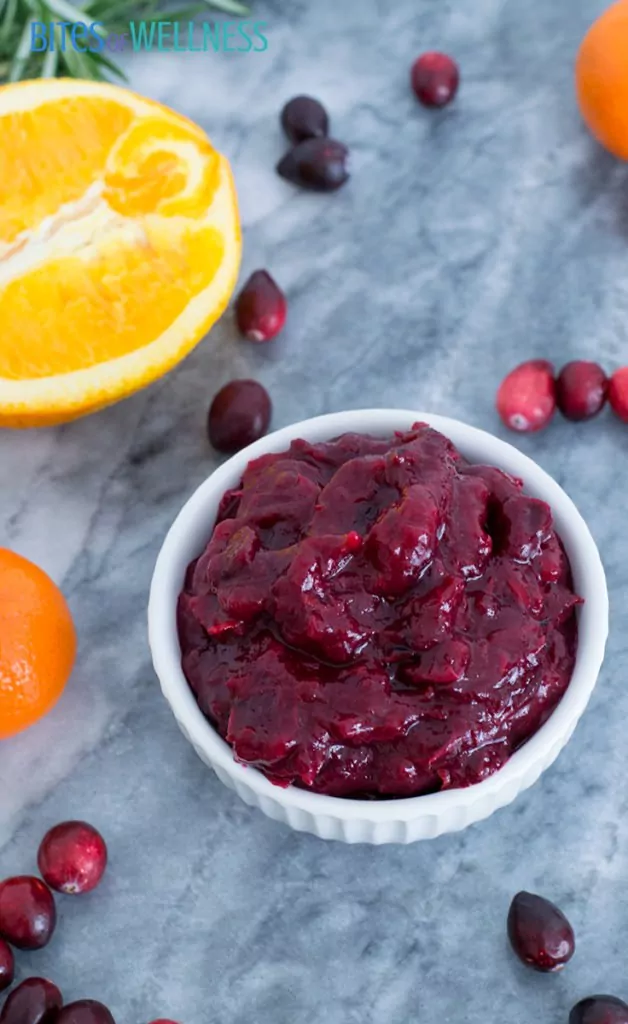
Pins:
x,y
51,155
101,321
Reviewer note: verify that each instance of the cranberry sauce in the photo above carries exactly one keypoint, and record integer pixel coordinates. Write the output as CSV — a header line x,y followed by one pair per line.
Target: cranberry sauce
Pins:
x,y
378,617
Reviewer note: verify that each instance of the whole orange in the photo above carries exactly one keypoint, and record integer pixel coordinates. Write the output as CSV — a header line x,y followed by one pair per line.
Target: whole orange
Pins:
x,y
37,643
602,79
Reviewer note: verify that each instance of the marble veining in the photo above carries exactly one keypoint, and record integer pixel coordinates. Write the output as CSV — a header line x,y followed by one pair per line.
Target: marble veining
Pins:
x,y
465,241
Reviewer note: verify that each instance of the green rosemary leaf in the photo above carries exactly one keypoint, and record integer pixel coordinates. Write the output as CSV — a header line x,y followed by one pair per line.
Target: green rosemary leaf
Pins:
x,y
75,65
38,8
65,11
21,57
186,13
110,11
100,59
9,12
181,14
112,15
229,7
50,64
116,16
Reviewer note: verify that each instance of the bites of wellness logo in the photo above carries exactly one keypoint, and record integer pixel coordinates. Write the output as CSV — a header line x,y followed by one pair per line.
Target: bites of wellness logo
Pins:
x,y
150,36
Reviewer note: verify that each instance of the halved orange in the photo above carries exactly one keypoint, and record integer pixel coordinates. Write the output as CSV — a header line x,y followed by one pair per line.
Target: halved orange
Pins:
x,y
119,245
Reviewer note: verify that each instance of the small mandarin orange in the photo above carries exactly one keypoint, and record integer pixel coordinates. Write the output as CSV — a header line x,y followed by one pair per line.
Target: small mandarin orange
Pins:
x,y
37,643
602,79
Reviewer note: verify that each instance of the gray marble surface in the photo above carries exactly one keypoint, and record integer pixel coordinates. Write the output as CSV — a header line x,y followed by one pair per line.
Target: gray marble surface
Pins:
x,y
465,241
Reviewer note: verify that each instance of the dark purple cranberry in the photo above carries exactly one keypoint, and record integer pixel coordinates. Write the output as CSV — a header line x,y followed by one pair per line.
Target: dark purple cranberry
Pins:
x,y
261,307
27,912
581,390
35,1001
72,857
85,1011
317,164
304,118
239,414
435,79
7,965
599,1010
539,933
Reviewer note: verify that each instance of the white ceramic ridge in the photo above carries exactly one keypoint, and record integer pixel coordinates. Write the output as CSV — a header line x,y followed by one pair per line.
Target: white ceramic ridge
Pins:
x,y
399,820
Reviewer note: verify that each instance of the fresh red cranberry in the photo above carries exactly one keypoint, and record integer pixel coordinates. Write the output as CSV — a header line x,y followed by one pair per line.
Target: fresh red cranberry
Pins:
x,y
618,393
317,164
27,912
261,307
35,1001
435,79
239,414
581,389
539,933
526,399
599,1010
7,965
85,1011
72,857
304,118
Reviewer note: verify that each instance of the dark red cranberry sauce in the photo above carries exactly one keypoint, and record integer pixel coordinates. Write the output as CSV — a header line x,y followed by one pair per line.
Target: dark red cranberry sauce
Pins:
x,y
377,618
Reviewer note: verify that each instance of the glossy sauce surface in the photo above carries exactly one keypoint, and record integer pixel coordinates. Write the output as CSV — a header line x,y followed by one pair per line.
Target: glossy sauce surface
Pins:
x,y
378,618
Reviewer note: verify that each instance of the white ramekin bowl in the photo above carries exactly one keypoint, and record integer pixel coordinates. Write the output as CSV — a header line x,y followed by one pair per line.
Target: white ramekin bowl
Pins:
x,y
388,821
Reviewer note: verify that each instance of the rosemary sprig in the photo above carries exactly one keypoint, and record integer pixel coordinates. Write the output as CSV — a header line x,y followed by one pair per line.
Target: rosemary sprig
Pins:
x,y
17,16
